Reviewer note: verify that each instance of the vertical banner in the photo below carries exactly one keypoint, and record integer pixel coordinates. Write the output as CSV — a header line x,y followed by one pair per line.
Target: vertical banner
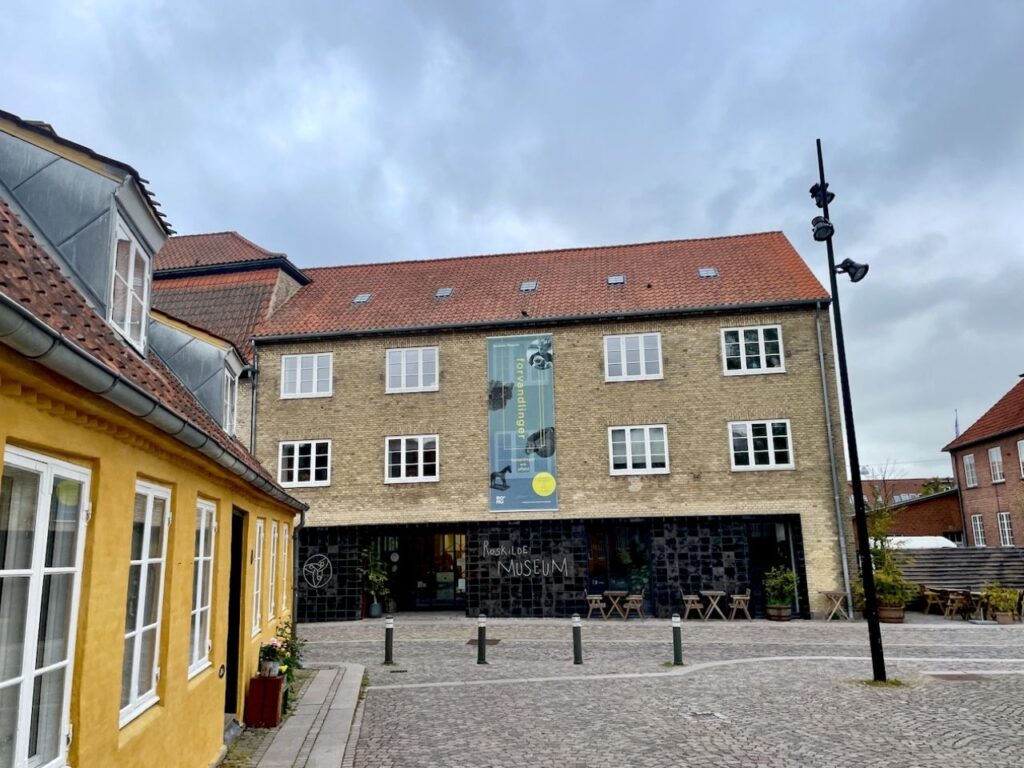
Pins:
x,y
521,423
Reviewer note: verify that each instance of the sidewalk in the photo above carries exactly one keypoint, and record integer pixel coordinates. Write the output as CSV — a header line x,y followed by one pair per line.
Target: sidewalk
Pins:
x,y
316,735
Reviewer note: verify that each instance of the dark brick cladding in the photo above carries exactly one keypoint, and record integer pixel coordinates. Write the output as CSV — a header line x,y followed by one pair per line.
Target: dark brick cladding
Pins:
x,y
687,554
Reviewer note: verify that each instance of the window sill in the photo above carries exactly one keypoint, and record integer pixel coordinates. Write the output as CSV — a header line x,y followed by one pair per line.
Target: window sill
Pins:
x,y
999,482
307,397
141,706
757,372
411,391
763,468
410,481
636,472
193,673
626,379
323,484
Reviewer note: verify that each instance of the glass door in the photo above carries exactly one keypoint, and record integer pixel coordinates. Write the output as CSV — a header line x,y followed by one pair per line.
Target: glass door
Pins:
x,y
43,504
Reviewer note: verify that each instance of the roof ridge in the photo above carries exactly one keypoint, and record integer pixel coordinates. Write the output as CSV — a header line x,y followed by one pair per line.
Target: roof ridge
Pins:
x,y
237,235
547,250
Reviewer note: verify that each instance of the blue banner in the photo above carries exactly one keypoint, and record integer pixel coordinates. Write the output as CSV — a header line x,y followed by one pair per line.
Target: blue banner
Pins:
x,y
521,423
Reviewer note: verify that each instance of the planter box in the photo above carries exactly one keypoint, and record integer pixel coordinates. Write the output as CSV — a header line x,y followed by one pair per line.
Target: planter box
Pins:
x,y
778,612
890,615
264,701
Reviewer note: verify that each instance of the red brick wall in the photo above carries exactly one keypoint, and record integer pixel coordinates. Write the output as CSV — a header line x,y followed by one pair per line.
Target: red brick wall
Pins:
x,y
934,517
987,498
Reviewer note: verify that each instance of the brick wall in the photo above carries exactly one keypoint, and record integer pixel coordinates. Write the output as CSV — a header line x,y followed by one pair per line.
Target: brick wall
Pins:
x,y
989,498
928,517
695,400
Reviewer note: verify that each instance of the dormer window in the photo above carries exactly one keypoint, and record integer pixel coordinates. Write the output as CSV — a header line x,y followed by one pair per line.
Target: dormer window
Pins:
x,y
230,401
129,297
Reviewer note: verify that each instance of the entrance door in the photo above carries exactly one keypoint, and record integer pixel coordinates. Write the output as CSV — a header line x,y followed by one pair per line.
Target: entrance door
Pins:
x,y
234,611
619,558
771,544
43,506
431,571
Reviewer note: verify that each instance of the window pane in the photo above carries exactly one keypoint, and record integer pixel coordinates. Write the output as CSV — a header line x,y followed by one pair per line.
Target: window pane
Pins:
x,y
138,526
54,619
412,468
632,344
19,497
47,709
8,722
613,354
204,633
156,530
306,374
323,374
62,536
429,367
149,613
394,369
126,671
290,375
147,661
657,448
123,259
638,449
131,609
412,368
119,308
208,540
13,613
192,640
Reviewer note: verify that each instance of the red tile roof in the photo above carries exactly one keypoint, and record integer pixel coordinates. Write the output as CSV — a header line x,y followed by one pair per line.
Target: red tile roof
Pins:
x,y
31,277
757,269
229,305
1005,416
211,249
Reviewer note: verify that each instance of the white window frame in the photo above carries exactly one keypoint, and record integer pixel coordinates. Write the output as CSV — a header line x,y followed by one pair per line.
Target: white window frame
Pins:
x,y
284,567
312,482
744,370
140,702
404,353
630,469
257,587
402,478
1020,457
48,469
202,567
978,528
272,581
230,402
617,343
123,232
995,465
970,471
1005,529
318,363
773,465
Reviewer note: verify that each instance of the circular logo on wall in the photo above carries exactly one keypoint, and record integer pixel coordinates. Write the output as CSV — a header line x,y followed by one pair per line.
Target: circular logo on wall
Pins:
x,y
316,571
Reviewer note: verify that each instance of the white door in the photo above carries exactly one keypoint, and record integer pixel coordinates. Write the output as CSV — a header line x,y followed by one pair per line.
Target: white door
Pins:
x,y
43,508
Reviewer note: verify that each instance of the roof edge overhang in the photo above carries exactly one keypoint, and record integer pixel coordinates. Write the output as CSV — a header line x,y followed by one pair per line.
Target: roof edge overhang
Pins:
x,y
928,497
26,334
956,445
235,266
555,320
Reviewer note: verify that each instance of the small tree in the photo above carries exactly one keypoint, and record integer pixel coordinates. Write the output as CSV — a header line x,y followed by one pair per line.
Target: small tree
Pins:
x,y
374,574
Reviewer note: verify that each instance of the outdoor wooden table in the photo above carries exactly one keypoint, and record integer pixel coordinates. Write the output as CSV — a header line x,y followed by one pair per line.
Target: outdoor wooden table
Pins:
x,y
614,595
713,596
836,600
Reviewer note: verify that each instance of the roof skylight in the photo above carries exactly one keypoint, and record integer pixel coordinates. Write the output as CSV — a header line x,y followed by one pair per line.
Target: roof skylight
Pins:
x,y
444,293
528,285
362,298
707,272
616,279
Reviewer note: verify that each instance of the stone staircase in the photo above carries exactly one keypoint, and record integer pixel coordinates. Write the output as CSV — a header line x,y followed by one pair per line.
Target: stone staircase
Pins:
x,y
962,568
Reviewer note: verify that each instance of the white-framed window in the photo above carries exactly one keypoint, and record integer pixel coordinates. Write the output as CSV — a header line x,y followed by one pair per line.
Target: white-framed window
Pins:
x,y
756,349
411,459
140,670
995,464
43,512
756,445
411,370
1005,530
285,568
202,587
979,530
307,375
638,450
970,472
230,402
1020,456
632,357
257,575
272,581
304,463
129,290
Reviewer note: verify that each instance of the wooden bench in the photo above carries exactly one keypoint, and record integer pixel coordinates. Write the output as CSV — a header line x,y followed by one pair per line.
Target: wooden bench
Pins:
x,y
595,602
739,603
634,603
692,603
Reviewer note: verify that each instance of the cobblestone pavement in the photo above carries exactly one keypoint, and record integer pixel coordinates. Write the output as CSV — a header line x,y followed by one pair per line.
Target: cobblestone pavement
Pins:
x,y
751,694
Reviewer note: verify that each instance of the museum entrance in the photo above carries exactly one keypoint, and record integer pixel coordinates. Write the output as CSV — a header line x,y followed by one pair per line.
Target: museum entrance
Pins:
x,y
428,569
618,558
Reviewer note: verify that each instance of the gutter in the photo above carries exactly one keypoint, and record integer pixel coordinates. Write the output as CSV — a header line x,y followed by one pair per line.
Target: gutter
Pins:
x,y
31,337
836,500
557,320
280,262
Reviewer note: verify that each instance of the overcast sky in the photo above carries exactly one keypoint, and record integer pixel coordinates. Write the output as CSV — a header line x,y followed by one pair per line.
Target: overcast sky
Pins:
x,y
342,132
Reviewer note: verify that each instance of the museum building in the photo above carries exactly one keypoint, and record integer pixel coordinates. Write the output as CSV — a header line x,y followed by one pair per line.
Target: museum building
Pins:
x,y
508,432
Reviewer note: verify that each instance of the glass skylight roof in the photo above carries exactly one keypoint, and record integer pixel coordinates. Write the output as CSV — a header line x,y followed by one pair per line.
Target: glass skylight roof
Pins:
x,y
707,272
443,293
362,298
528,285
616,279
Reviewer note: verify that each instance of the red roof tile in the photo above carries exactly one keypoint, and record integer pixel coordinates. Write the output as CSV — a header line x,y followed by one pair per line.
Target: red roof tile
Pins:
x,y
211,249
1005,416
32,278
228,305
755,269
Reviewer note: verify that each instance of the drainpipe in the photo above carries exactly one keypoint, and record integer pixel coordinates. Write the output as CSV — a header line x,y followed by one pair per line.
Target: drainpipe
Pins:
x,y
254,368
296,569
836,499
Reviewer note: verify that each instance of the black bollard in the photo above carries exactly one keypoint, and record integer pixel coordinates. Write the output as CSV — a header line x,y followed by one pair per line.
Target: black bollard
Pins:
x,y
677,640
481,639
577,640
389,640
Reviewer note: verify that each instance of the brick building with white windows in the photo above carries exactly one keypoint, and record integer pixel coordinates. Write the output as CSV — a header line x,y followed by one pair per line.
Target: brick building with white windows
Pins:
x,y
510,431
988,460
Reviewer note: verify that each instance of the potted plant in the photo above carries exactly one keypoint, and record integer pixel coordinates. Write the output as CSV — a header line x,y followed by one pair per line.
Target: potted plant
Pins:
x,y
779,591
375,575
272,654
1001,602
893,592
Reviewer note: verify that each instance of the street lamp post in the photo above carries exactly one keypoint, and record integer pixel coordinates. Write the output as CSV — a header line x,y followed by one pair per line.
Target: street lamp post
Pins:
x,y
823,231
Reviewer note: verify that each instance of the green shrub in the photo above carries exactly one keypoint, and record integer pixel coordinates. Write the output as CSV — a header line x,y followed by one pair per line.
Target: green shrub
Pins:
x,y
1000,599
780,586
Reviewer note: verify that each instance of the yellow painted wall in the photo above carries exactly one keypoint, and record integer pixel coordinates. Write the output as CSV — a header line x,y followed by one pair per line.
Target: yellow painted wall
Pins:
x,y
42,412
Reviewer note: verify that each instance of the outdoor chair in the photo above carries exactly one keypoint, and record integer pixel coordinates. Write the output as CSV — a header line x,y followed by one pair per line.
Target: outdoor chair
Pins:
x,y
954,602
634,603
692,603
931,597
739,603
595,602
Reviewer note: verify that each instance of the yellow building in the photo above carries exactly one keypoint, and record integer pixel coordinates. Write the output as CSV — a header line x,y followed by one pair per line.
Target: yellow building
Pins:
x,y
145,555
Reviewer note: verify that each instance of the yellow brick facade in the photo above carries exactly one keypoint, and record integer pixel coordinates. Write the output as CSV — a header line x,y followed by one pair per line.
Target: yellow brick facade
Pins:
x,y
694,399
